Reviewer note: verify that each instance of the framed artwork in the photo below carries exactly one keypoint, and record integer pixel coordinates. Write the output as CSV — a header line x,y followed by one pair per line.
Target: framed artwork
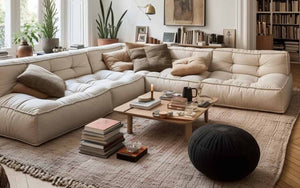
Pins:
x,y
141,30
142,38
169,37
229,38
185,12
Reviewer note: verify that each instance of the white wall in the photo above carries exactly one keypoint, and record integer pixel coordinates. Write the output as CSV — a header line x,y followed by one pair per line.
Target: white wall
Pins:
x,y
220,14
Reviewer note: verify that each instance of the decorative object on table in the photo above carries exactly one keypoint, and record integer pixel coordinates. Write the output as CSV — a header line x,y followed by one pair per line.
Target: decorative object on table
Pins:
x,y
4,183
184,12
229,38
152,90
189,66
188,93
223,152
107,31
132,157
145,105
101,138
49,26
163,114
149,10
169,37
142,38
141,30
28,35
168,95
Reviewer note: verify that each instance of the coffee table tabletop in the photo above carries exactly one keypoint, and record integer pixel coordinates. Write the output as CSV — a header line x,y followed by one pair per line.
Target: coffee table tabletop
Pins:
x,y
187,121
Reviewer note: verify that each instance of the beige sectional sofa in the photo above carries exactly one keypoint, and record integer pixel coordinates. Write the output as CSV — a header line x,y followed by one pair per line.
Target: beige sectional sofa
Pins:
x,y
258,80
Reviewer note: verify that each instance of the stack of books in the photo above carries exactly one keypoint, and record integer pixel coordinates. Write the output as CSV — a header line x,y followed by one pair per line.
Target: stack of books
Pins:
x,y
76,46
177,103
293,48
102,138
145,105
4,55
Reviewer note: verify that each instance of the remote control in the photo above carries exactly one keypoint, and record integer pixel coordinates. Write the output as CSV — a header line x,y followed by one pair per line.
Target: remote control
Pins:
x,y
204,105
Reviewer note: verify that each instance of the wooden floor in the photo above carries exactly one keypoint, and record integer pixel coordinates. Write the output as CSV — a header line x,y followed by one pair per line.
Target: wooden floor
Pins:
x,y
290,177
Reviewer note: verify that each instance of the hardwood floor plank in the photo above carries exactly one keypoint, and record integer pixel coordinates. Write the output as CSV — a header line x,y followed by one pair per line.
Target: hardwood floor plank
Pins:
x,y
16,179
37,183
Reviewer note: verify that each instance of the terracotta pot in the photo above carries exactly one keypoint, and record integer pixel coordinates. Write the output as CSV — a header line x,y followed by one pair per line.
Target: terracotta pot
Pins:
x,y
102,42
49,44
24,50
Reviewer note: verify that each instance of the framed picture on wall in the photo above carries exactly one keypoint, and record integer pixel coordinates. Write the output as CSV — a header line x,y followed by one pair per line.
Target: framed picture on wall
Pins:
x,y
184,12
229,38
169,37
142,38
141,30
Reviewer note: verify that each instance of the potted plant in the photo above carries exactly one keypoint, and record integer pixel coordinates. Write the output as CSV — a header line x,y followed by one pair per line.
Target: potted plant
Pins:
x,y
48,27
107,30
27,37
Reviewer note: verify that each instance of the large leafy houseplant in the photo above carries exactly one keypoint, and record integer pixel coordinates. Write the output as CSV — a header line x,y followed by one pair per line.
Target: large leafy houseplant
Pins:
x,y
49,26
107,30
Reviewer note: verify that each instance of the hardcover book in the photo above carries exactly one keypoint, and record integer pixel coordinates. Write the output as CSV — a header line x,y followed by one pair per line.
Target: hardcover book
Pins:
x,y
132,157
145,105
102,126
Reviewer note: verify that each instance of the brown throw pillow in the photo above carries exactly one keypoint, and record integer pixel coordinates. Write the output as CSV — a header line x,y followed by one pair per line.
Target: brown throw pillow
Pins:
x,y
189,66
117,60
159,57
130,45
139,59
38,78
21,88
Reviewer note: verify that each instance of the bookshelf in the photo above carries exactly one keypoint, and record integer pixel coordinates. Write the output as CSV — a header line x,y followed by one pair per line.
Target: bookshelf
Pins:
x,y
279,21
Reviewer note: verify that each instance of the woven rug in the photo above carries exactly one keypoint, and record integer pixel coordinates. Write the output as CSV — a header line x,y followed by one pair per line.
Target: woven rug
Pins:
x,y
166,165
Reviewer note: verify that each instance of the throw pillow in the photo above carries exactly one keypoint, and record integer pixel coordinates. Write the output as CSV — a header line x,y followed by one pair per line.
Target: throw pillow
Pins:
x,y
139,59
21,88
117,60
38,78
159,57
189,66
130,45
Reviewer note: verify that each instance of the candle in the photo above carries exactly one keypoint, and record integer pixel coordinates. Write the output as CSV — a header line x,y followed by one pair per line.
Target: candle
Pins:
x,y
152,89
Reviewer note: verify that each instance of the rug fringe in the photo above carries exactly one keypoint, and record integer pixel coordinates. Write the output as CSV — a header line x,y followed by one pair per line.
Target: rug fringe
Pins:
x,y
43,175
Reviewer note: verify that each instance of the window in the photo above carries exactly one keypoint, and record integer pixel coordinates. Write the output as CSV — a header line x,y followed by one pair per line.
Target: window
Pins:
x,y
29,10
2,23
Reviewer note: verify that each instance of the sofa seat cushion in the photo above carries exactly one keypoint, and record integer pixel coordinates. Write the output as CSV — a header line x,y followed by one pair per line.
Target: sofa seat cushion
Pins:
x,y
250,92
166,81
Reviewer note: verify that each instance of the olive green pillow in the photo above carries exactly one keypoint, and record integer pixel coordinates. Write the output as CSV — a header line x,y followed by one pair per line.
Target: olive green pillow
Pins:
x,y
40,79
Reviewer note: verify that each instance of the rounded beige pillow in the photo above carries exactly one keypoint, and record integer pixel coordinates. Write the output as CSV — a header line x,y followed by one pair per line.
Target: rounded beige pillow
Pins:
x,y
189,66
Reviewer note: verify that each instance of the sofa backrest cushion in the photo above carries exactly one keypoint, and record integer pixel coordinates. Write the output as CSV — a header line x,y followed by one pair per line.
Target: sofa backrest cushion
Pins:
x,y
184,52
250,62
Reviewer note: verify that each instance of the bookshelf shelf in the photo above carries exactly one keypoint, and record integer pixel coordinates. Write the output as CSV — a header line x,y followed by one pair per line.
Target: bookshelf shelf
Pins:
x,y
281,20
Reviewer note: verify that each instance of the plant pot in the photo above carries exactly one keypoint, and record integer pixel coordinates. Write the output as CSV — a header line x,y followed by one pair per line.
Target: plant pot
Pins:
x,y
102,42
49,44
24,50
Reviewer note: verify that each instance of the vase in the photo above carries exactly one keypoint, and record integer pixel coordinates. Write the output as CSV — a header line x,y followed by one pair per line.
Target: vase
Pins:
x,y
102,42
24,50
49,44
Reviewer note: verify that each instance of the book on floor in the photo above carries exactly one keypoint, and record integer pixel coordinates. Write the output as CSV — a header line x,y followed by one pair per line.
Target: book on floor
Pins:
x,y
101,146
102,126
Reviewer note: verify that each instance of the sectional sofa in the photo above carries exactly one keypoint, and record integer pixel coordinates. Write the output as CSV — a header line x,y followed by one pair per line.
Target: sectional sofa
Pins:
x,y
256,80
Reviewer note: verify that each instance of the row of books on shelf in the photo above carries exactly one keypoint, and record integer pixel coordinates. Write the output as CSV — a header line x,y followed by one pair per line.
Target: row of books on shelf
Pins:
x,y
284,5
263,5
293,48
286,32
263,28
191,36
286,19
264,18
102,138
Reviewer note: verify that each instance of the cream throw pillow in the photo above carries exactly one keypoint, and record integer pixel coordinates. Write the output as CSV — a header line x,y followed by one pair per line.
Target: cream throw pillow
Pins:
x,y
117,61
189,66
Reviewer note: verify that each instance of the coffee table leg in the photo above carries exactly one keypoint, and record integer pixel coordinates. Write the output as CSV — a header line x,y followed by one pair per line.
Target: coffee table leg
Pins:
x,y
129,124
188,131
206,116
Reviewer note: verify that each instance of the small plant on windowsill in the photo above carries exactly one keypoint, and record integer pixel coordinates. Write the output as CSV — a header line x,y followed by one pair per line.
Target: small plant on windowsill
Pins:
x,y
107,30
26,38
48,27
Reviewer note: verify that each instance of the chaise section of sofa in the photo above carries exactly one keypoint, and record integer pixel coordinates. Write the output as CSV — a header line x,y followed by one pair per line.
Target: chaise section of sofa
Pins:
x,y
256,80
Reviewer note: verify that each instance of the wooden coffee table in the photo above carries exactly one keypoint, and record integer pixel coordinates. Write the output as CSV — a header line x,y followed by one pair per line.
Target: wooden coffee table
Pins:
x,y
186,121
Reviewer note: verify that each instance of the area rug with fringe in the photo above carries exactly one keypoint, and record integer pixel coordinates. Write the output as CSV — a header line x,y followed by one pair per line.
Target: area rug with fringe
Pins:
x,y
167,163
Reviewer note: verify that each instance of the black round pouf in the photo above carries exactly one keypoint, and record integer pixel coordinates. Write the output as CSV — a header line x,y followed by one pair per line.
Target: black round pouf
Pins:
x,y
223,152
